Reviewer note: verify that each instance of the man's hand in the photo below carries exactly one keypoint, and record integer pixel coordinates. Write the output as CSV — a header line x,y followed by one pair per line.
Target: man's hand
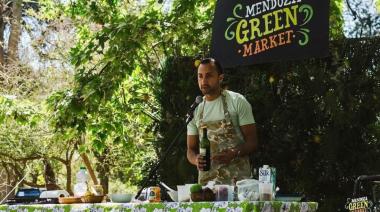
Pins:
x,y
201,163
225,156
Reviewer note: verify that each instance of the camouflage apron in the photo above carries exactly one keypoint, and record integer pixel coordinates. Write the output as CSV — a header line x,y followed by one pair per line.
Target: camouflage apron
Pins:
x,y
222,135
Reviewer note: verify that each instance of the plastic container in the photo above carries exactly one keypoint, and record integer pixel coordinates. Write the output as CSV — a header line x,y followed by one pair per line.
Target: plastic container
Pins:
x,y
82,175
183,193
224,193
248,189
80,187
266,191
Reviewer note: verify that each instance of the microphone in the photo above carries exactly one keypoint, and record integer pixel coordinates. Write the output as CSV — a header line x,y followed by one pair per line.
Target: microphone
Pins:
x,y
190,113
189,117
197,101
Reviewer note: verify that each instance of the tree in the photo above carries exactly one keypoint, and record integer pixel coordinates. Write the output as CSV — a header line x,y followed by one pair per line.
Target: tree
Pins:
x,y
2,26
29,145
27,141
363,19
10,10
14,37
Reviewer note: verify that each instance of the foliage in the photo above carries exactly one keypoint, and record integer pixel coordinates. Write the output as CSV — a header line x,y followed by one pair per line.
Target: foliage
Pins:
x,y
336,20
178,92
363,19
317,119
28,144
117,76
25,139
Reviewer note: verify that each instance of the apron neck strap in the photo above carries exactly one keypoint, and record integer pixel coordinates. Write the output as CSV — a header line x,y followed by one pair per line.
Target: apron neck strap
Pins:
x,y
225,108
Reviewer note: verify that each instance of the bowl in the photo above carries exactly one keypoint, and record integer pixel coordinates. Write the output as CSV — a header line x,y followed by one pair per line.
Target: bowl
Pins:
x,y
92,199
183,193
173,195
69,200
121,198
289,198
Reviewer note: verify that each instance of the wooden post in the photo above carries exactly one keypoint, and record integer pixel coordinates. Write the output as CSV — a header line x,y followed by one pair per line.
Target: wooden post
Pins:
x,y
89,168
87,163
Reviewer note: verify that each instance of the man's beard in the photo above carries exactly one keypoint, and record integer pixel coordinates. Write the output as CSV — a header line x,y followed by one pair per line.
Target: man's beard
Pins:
x,y
208,90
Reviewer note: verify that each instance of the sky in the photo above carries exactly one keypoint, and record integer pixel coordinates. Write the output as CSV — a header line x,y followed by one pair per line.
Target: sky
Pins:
x,y
365,6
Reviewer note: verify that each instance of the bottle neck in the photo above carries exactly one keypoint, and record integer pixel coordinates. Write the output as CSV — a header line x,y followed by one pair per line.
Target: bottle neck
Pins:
x,y
204,132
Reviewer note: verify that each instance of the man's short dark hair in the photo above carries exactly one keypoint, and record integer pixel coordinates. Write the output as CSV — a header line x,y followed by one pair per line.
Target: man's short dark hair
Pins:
x,y
210,60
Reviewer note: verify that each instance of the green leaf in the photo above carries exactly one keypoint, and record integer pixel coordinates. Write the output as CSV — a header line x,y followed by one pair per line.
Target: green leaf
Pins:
x,y
82,149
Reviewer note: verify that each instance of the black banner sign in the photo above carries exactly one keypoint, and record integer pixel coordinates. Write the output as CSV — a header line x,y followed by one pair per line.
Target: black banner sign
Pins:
x,y
256,31
358,204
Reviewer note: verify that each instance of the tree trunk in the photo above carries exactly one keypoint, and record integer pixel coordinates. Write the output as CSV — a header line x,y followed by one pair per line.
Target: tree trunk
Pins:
x,y
9,184
104,181
68,178
2,26
103,168
18,175
14,37
50,181
34,176
69,158
13,176
3,188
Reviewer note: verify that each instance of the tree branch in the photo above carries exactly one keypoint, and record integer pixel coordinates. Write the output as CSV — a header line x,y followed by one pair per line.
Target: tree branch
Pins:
x,y
21,159
59,159
71,154
48,186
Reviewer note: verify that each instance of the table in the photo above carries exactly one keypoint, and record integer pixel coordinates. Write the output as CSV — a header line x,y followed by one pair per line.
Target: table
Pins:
x,y
256,206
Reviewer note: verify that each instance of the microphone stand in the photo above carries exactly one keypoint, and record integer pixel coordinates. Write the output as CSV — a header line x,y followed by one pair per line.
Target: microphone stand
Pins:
x,y
189,117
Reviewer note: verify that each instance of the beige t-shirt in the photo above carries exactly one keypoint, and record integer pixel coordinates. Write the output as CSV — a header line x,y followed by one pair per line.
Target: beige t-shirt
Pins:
x,y
239,108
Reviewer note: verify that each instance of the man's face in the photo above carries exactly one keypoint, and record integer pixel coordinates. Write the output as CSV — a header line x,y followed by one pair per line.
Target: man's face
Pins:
x,y
209,79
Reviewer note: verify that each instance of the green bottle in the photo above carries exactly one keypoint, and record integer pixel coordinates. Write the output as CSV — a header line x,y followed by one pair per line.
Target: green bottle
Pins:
x,y
204,150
